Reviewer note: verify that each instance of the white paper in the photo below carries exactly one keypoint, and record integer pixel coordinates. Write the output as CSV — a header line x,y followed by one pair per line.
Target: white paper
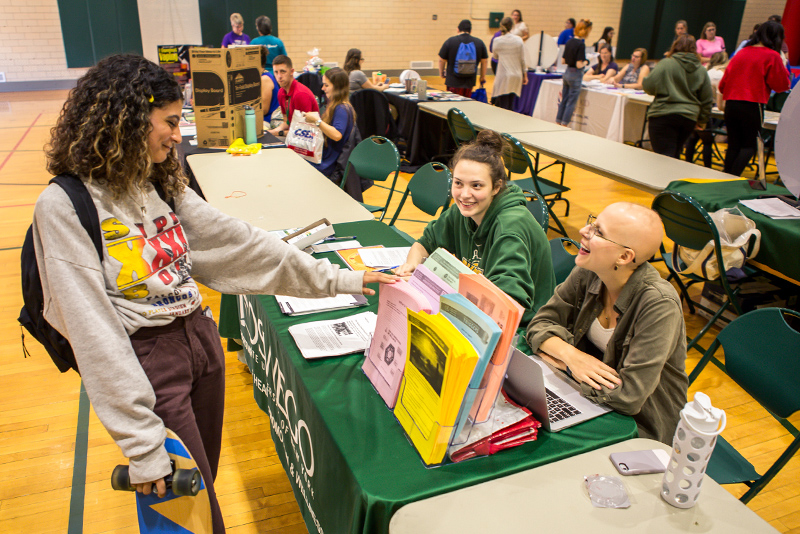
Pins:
x,y
384,257
189,130
334,337
300,306
331,246
774,208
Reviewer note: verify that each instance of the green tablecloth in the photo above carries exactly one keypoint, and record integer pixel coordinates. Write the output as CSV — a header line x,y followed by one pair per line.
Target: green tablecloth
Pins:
x,y
350,464
780,239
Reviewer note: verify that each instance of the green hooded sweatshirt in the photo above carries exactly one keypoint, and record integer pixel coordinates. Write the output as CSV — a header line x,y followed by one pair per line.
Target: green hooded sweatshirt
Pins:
x,y
509,248
681,86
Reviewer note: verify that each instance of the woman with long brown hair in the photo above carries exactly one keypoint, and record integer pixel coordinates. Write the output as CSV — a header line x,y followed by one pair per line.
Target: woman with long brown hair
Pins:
x,y
148,356
358,80
338,120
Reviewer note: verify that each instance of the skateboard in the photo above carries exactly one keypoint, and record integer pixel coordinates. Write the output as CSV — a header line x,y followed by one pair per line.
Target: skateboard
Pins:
x,y
185,508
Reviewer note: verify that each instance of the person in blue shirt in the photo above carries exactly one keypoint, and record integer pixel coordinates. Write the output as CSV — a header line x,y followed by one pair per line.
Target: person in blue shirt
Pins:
x,y
274,45
568,32
337,121
269,88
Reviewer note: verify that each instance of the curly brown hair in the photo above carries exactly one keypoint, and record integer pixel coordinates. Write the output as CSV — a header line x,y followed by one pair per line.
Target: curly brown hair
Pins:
x,y
102,132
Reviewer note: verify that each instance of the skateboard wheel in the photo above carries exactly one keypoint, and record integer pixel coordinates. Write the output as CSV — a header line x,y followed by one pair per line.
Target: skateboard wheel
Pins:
x,y
186,482
120,479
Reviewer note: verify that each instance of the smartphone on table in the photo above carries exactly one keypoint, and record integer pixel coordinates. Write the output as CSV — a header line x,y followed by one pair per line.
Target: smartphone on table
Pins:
x,y
640,462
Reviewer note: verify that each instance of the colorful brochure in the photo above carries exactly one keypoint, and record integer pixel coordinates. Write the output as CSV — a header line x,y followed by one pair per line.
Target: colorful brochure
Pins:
x,y
430,285
507,313
438,369
483,333
446,266
352,258
386,357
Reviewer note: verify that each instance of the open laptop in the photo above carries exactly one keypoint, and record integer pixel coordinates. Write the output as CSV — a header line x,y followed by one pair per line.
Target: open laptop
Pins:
x,y
555,400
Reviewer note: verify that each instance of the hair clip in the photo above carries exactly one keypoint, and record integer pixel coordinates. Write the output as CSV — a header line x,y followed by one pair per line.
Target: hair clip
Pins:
x,y
151,99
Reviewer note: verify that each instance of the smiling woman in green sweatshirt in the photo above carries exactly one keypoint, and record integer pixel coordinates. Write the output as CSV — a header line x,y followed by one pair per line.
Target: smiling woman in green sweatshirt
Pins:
x,y
683,97
490,229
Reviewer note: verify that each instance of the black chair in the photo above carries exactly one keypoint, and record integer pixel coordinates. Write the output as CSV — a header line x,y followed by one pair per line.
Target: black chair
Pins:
x,y
373,115
313,81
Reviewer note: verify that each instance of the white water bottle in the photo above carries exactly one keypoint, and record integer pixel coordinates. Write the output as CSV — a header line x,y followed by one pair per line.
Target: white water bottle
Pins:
x,y
692,446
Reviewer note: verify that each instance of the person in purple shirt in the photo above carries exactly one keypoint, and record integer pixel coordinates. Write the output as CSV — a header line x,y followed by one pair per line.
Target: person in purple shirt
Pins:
x,y
236,37
568,32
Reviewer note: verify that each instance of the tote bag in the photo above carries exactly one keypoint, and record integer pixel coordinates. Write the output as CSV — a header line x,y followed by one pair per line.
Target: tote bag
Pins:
x,y
735,231
305,138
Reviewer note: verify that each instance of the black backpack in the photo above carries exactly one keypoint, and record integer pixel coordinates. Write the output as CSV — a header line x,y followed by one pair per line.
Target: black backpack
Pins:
x,y
32,314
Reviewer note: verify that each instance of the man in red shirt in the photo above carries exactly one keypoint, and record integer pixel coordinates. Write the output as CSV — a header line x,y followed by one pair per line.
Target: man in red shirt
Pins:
x,y
292,95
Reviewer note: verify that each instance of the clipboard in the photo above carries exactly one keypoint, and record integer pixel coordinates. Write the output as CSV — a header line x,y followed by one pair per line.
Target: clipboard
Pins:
x,y
305,237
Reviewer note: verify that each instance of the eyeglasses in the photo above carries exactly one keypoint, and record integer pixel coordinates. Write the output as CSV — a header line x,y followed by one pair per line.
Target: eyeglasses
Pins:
x,y
595,231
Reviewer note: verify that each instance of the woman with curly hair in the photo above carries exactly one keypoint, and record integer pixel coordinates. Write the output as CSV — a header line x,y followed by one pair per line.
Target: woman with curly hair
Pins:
x,y
148,356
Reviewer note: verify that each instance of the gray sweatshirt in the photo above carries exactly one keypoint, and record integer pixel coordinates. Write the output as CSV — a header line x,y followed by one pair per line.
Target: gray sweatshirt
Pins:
x,y
151,259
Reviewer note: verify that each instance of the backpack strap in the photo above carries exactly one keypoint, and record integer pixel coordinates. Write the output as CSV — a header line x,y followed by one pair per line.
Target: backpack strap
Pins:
x,y
84,207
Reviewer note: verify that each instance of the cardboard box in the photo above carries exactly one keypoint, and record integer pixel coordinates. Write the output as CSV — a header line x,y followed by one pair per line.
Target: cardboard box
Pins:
x,y
224,80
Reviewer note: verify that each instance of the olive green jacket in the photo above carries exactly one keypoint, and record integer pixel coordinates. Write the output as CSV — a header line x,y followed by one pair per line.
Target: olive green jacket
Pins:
x,y
647,349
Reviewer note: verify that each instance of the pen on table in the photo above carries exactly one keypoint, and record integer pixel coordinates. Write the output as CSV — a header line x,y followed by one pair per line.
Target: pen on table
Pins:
x,y
340,238
387,269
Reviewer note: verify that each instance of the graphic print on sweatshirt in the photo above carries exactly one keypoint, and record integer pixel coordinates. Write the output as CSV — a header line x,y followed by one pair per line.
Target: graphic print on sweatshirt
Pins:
x,y
153,264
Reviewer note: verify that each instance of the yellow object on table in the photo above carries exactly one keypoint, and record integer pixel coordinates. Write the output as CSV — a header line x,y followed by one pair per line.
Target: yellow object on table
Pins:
x,y
238,147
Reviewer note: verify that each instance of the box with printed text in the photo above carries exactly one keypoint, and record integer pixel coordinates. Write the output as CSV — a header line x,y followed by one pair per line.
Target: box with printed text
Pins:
x,y
224,80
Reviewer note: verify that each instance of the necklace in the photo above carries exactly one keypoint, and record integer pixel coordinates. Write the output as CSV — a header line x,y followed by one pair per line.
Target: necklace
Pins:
x,y
137,201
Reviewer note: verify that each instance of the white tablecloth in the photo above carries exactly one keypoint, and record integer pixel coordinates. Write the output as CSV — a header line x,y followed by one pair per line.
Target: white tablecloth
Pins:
x,y
610,114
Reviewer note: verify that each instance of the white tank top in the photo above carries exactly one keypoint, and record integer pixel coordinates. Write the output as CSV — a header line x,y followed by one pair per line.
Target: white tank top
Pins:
x,y
599,336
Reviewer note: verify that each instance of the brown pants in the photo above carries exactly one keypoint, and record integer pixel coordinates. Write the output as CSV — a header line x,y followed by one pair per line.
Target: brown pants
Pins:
x,y
185,364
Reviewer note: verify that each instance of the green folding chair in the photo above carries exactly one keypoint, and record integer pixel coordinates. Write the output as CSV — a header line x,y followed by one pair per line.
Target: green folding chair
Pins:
x,y
429,189
689,225
563,258
375,158
767,371
518,161
460,127
538,208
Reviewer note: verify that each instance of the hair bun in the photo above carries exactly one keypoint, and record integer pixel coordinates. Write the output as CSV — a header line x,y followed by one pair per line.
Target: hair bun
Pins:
x,y
491,140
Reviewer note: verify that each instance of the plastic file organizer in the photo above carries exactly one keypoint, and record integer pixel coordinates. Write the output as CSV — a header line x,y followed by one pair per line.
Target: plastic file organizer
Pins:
x,y
438,442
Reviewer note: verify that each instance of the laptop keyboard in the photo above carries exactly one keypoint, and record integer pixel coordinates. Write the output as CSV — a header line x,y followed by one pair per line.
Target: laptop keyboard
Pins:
x,y
558,408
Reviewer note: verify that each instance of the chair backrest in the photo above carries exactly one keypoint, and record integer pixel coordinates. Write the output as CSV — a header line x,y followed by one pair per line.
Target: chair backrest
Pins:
x,y
373,115
686,222
563,260
429,189
460,126
518,161
538,208
313,81
776,101
375,158
768,371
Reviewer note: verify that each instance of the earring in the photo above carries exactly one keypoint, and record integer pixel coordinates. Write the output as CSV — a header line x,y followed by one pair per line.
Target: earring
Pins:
x,y
616,267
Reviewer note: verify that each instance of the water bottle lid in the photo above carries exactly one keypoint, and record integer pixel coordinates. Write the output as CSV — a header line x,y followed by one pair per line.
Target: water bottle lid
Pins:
x,y
248,110
702,416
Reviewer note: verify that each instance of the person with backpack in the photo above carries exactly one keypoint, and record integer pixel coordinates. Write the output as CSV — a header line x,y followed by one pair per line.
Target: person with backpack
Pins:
x,y
150,359
462,55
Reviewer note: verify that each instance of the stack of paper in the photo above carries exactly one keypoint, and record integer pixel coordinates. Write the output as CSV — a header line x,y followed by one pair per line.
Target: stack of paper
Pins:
x,y
384,258
335,337
773,208
509,426
438,370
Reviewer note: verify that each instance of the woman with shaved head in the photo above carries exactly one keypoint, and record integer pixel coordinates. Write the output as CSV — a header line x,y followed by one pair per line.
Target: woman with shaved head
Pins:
x,y
616,326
